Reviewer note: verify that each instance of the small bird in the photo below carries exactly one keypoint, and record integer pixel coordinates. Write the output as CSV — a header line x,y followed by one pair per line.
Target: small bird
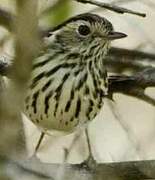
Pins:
x,y
69,80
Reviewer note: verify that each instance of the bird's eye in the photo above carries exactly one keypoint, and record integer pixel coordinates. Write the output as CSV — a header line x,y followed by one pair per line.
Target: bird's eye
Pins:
x,y
83,30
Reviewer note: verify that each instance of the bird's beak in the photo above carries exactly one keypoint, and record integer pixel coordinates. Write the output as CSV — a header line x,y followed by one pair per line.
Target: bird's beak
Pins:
x,y
115,35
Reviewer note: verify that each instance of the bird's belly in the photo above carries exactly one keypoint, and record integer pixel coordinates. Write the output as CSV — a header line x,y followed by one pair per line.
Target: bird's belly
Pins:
x,y
64,105
82,110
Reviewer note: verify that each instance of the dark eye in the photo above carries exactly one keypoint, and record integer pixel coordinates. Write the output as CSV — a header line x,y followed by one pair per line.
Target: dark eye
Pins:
x,y
83,30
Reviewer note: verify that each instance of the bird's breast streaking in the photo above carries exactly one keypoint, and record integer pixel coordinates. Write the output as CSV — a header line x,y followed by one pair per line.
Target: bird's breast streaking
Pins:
x,y
69,80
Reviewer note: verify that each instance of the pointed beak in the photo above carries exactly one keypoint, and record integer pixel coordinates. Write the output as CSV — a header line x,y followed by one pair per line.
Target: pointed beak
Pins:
x,y
115,35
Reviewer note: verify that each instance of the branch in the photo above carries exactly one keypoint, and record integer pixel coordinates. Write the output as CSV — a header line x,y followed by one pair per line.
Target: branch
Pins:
x,y
7,19
134,85
119,59
12,140
112,7
136,170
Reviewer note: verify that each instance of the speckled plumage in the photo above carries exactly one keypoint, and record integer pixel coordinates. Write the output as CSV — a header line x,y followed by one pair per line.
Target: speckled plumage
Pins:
x,y
69,80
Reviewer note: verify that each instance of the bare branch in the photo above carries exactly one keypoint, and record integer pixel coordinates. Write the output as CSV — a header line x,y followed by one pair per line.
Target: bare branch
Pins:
x,y
138,170
133,85
112,7
119,59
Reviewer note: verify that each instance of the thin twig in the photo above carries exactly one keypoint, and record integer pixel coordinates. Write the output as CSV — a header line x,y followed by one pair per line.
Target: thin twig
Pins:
x,y
111,7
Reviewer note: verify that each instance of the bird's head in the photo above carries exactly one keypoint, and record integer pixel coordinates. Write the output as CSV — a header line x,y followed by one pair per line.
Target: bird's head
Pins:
x,y
86,33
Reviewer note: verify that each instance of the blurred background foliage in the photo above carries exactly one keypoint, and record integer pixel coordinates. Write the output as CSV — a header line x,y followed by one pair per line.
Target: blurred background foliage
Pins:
x,y
57,12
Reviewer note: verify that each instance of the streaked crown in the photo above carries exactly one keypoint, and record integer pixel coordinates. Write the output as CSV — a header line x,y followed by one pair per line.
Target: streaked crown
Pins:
x,y
84,33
